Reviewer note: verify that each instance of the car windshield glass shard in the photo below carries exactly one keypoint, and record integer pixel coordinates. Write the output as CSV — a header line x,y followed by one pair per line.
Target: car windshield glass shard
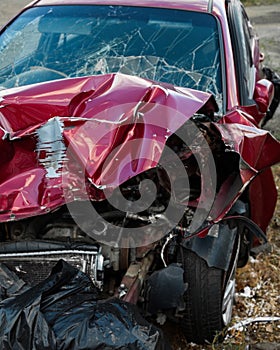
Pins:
x,y
165,45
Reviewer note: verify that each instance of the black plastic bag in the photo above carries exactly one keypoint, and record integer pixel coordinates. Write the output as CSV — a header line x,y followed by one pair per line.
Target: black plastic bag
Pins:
x,y
63,312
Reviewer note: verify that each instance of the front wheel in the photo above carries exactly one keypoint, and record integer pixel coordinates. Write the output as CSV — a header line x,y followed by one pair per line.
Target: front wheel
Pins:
x,y
208,299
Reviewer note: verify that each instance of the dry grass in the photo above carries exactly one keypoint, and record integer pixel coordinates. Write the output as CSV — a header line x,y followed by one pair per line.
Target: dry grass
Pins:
x,y
261,280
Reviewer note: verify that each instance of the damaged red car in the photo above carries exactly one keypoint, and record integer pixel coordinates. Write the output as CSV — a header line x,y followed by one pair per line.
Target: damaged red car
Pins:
x,y
133,169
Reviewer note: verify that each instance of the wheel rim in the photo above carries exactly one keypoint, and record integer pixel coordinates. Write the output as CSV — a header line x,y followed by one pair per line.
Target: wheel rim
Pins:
x,y
228,297
228,301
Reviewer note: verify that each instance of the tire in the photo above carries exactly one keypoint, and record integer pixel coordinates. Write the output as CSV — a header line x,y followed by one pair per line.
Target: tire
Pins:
x,y
208,299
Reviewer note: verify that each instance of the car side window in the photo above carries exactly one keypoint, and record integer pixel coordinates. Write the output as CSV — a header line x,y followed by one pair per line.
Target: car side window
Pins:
x,y
242,46
250,69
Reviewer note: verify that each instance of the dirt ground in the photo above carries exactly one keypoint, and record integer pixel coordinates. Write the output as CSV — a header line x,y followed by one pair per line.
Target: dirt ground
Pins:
x,y
267,23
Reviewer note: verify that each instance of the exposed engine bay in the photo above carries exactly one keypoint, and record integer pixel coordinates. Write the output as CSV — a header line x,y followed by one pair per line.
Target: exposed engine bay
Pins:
x,y
32,246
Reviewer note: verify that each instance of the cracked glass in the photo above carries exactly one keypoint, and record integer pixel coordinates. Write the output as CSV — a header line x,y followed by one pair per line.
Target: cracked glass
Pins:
x,y
163,45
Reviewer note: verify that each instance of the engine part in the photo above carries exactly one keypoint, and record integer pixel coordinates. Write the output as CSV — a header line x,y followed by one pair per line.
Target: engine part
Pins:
x,y
168,239
32,260
133,280
165,289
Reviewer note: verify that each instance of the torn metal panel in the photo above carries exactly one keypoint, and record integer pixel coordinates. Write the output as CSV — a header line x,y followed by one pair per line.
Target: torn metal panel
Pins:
x,y
93,119
257,147
97,106
51,149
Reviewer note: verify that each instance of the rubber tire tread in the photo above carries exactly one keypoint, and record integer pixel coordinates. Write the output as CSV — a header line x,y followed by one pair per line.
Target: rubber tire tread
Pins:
x,y
202,318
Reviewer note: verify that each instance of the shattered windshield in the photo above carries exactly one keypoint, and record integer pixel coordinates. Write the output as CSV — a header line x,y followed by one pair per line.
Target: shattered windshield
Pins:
x,y
165,45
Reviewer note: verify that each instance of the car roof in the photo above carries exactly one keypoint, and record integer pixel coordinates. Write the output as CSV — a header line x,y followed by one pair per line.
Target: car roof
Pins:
x,y
212,6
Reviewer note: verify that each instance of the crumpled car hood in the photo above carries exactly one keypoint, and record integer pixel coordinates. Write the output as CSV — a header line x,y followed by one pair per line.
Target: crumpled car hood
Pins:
x,y
50,129
39,122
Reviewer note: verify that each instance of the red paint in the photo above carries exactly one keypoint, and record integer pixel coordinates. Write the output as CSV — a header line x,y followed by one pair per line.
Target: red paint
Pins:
x,y
27,191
